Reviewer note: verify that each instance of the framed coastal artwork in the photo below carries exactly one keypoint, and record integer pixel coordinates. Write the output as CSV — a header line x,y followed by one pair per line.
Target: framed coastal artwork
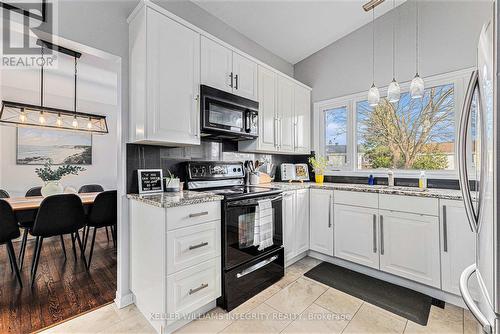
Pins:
x,y
36,146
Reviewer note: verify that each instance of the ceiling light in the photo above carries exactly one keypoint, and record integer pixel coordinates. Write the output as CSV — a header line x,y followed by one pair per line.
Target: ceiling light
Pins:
x,y
41,119
75,122
59,120
417,85
22,116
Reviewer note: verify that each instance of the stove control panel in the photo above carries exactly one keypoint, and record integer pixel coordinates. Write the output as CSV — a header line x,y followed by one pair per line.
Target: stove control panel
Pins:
x,y
215,170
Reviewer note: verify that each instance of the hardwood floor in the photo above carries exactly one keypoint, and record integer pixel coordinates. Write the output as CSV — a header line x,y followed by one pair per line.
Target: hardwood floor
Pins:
x,y
63,288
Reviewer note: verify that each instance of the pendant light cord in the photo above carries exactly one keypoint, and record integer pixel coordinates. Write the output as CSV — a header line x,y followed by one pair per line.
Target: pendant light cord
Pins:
x,y
373,45
41,79
416,38
75,84
394,42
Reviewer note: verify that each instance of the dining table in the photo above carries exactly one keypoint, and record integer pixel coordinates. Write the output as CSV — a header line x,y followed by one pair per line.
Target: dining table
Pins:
x,y
33,203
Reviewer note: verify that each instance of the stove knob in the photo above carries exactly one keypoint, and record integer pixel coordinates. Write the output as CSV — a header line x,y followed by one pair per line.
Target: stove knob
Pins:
x,y
234,170
239,169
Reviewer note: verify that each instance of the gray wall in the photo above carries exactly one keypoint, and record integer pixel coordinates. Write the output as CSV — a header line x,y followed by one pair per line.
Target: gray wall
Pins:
x,y
449,33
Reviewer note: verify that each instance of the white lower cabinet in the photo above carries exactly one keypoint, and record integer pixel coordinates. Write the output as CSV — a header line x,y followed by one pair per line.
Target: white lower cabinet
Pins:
x,y
321,221
355,234
289,224
457,245
295,223
409,246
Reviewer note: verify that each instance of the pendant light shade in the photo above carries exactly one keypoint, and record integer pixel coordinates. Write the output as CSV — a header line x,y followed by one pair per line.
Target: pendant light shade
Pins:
x,y
373,96
417,85
373,93
393,91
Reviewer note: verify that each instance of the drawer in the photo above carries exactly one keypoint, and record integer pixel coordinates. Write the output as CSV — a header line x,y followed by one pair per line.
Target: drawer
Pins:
x,y
413,204
356,198
192,245
184,216
192,288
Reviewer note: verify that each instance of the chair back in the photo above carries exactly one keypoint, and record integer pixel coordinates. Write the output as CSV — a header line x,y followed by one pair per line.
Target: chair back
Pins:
x,y
59,214
104,210
4,194
90,188
8,223
35,191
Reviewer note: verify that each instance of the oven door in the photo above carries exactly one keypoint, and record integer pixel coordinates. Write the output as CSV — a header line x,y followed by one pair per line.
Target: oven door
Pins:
x,y
242,229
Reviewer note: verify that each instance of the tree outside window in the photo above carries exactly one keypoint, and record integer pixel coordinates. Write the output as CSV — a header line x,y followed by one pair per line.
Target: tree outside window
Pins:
x,y
411,134
336,136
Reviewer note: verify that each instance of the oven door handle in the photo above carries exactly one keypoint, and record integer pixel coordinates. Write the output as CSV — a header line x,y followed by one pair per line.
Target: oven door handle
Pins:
x,y
254,203
256,266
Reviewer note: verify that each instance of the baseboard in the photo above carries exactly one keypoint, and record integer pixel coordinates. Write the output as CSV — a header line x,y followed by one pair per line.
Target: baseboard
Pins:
x,y
123,301
296,258
430,291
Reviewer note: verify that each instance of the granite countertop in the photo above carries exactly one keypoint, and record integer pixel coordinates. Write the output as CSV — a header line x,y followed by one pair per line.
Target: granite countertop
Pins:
x,y
175,199
397,190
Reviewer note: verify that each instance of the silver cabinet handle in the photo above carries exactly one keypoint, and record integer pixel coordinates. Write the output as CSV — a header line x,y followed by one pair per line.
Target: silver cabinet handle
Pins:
x,y
275,123
462,151
231,77
295,134
382,235
201,287
197,107
198,214
374,233
330,211
236,79
203,244
445,230
464,291
256,266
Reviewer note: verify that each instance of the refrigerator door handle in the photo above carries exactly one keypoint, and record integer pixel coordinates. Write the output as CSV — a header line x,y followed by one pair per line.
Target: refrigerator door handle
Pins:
x,y
464,291
462,151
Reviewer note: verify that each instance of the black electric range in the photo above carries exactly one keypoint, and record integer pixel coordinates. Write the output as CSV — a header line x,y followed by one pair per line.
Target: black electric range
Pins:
x,y
247,267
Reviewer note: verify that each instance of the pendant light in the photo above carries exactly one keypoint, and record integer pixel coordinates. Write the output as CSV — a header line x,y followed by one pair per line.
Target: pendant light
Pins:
x,y
373,93
393,91
417,85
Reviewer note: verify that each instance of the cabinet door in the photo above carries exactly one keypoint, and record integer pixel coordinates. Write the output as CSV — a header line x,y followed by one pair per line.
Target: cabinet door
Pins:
x,y
216,65
355,234
302,128
173,63
245,77
286,114
289,224
409,246
457,245
267,109
321,221
302,221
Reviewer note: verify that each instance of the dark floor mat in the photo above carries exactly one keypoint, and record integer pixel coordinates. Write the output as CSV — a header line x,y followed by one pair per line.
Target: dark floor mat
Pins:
x,y
412,305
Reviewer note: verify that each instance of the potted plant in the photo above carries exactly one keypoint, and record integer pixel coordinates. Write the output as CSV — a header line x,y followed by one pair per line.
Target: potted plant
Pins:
x,y
319,164
51,177
172,183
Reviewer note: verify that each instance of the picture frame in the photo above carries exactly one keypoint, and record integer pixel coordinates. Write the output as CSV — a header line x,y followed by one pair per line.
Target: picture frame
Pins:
x,y
150,181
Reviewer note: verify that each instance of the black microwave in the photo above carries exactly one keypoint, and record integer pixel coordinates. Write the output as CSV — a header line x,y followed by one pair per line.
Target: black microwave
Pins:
x,y
227,116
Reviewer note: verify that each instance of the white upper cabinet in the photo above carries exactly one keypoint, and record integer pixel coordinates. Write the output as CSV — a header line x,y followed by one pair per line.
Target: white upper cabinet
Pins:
x,y
285,115
216,65
245,76
267,110
409,246
165,80
302,129
321,221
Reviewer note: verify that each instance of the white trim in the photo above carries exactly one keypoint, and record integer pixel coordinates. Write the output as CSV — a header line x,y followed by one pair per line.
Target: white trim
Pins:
x,y
125,300
163,11
458,78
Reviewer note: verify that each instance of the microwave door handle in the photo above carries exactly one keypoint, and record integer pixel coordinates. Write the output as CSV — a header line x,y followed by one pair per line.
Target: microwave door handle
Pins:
x,y
462,152
247,121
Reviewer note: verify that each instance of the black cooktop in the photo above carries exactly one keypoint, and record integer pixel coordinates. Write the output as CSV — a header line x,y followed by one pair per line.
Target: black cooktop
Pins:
x,y
243,191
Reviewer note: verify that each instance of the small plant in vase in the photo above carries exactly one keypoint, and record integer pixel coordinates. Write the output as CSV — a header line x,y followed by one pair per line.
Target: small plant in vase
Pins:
x,y
172,183
51,177
319,164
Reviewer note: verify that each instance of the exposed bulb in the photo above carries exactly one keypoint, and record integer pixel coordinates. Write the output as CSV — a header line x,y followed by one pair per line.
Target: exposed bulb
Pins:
x,y
89,124
41,119
417,87
75,122
59,120
393,91
22,116
373,96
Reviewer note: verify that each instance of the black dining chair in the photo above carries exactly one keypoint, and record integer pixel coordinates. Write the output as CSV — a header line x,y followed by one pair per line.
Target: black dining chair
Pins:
x,y
103,213
85,189
4,194
35,191
8,232
57,215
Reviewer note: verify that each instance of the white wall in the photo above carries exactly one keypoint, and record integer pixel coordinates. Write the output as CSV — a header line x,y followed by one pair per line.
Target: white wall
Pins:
x,y
449,33
97,93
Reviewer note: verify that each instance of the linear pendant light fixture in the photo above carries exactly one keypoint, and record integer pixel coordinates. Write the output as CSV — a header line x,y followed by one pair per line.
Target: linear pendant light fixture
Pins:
x,y
373,93
22,114
417,85
393,91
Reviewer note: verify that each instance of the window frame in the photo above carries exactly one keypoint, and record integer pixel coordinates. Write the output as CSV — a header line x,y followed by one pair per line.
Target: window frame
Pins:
x,y
459,79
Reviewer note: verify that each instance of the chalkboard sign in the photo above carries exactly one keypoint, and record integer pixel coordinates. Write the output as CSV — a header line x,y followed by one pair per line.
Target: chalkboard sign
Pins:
x,y
150,180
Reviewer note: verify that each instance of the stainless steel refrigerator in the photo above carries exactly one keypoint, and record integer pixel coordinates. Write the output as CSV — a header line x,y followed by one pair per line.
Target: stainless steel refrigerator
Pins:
x,y
479,160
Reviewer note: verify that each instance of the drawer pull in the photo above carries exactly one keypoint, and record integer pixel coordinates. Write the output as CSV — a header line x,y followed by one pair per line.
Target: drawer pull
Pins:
x,y
201,287
198,214
203,244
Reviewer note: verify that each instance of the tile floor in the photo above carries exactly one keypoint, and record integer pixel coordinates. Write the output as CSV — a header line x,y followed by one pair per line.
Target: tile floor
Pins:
x,y
317,309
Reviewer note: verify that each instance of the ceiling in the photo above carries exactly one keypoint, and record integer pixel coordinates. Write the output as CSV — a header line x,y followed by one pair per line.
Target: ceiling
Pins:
x,y
292,29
